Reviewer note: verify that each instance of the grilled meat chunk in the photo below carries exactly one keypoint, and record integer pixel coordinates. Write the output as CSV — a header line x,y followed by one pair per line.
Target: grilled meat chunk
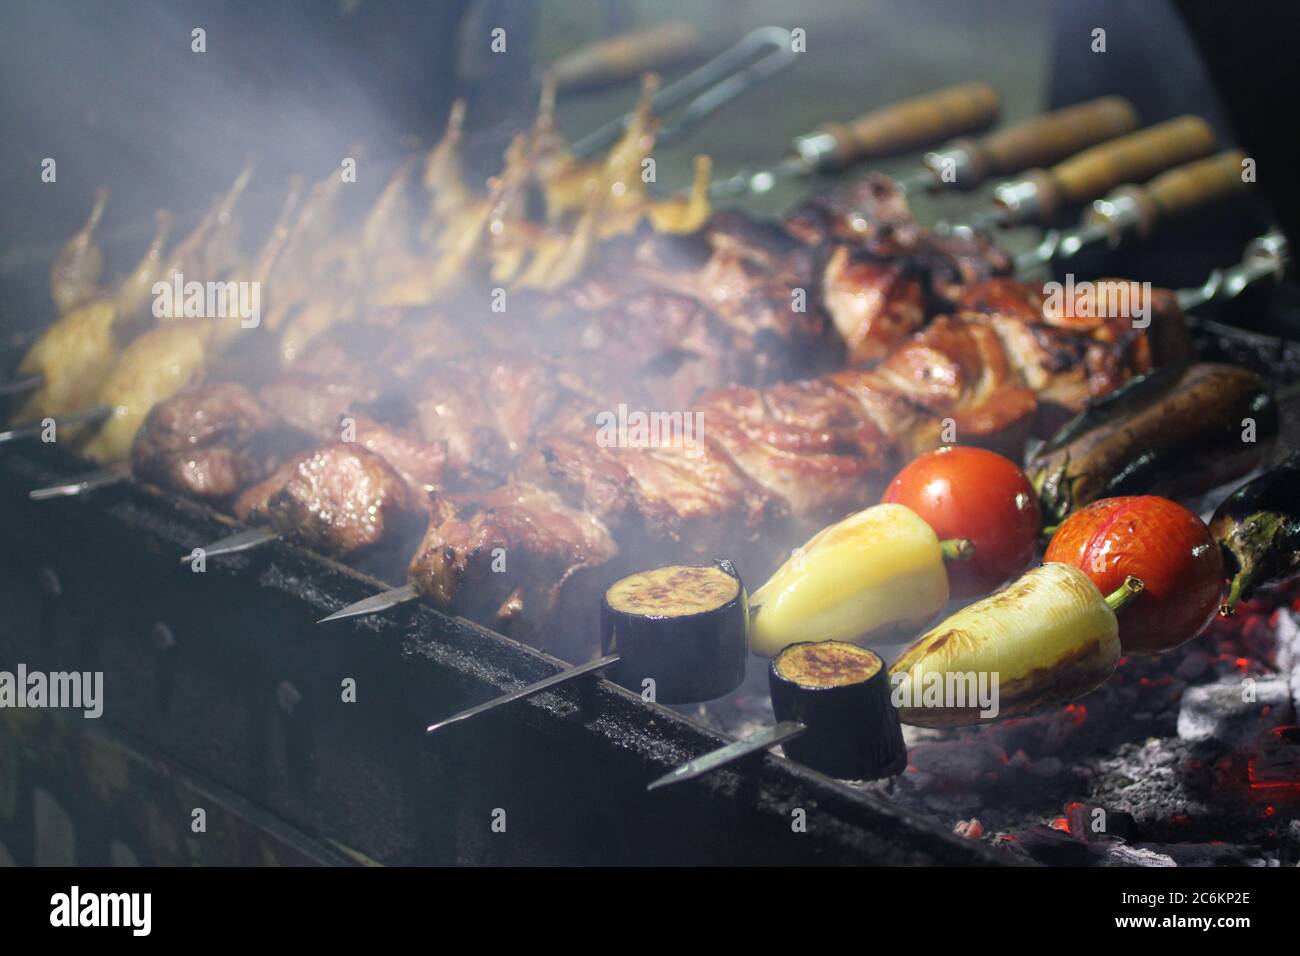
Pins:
x,y
874,304
486,412
806,444
209,442
421,464
882,275
503,554
339,500
315,404
1069,352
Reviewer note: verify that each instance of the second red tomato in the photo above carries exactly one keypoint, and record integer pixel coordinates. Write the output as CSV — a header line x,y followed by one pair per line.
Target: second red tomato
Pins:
x,y
975,494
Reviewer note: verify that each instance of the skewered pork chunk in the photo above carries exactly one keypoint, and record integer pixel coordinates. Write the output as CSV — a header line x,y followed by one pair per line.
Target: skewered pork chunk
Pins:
x,y
339,500
421,464
209,442
315,404
504,557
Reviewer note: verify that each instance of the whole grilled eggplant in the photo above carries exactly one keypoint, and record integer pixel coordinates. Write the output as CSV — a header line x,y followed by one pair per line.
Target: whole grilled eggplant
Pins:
x,y
1258,529
1173,432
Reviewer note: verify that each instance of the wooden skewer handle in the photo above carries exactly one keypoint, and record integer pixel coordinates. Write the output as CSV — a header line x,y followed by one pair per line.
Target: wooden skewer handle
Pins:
x,y
1198,184
1052,136
911,124
624,56
1132,158
1179,192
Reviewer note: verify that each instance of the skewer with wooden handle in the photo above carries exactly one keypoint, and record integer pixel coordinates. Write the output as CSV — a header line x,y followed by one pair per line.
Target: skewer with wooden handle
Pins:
x,y
911,124
1140,210
965,163
1041,194
625,56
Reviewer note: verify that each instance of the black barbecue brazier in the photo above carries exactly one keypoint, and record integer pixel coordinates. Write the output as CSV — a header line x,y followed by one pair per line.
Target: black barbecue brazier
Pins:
x,y
246,695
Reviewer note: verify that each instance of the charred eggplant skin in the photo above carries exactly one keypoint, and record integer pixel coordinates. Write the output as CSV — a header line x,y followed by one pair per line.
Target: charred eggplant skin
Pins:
x,y
853,729
690,657
1172,433
1257,528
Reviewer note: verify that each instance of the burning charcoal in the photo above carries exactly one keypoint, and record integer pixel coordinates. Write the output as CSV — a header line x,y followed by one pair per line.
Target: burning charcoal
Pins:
x,y
1195,664
969,762
1047,768
1275,764
1092,823
1052,847
1232,712
1206,854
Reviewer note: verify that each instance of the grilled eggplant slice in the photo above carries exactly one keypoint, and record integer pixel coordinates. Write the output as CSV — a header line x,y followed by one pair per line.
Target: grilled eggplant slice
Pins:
x,y
682,626
1258,531
841,693
1171,433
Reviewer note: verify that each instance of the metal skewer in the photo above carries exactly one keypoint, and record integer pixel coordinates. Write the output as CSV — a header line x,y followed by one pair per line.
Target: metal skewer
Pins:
x,y
96,479
21,386
244,540
1135,210
97,413
375,604
546,683
785,730
709,88
1267,256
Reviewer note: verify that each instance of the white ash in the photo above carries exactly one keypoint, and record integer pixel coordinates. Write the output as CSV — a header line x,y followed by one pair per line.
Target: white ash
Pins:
x,y
1287,635
1121,854
1234,711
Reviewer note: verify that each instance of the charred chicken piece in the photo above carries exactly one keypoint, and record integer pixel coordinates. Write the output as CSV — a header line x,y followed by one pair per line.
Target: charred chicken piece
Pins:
x,y
874,304
882,275
1070,352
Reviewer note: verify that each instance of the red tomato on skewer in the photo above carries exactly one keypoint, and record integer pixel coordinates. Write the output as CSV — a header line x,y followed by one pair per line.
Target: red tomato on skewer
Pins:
x,y
1162,543
973,493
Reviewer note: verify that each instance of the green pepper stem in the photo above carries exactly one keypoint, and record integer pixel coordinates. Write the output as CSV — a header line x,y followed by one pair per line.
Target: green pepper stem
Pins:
x,y
1240,581
1120,598
957,549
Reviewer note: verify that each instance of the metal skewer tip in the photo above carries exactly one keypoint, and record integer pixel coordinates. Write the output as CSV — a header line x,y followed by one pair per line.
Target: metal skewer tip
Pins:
x,y
376,604
82,485
232,544
20,386
537,687
785,730
96,414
